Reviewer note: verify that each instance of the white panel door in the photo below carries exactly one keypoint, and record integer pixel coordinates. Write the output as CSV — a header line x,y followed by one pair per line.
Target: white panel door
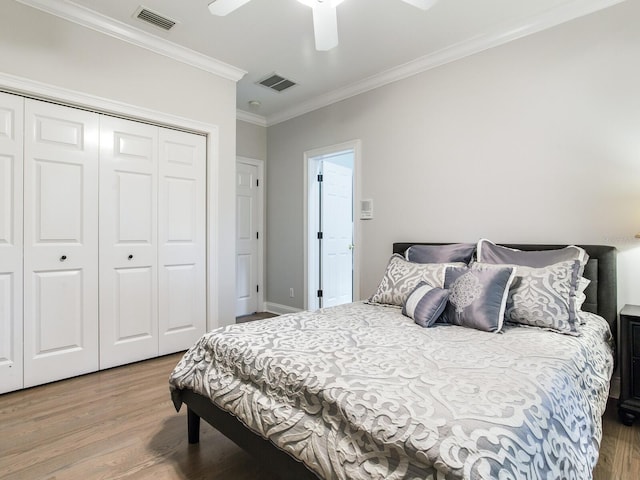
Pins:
x,y
246,239
128,241
337,229
60,242
11,152
181,238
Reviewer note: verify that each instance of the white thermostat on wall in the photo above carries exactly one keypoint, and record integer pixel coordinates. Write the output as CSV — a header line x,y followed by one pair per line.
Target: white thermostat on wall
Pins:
x,y
366,209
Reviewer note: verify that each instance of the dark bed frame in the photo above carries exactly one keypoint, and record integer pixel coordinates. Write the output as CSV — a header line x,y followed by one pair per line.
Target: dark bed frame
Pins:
x,y
601,299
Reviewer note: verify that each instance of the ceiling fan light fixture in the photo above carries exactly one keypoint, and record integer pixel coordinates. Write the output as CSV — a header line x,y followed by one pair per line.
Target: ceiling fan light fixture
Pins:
x,y
421,4
325,16
225,7
321,3
325,22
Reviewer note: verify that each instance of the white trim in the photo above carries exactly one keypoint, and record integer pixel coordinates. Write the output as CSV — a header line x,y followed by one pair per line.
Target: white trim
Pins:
x,y
259,164
356,146
280,309
497,36
251,118
30,88
101,23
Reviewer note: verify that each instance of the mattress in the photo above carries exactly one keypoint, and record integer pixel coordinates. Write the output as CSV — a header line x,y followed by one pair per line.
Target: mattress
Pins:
x,y
359,391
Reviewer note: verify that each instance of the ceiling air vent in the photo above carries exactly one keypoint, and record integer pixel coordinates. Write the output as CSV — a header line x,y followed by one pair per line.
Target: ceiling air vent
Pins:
x,y
276,82
154,18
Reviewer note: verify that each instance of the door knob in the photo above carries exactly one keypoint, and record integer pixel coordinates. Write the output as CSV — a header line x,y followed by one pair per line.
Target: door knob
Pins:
x,y
63,258
130,257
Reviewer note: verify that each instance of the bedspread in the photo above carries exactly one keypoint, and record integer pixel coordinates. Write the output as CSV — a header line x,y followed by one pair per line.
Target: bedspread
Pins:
x,y
362,392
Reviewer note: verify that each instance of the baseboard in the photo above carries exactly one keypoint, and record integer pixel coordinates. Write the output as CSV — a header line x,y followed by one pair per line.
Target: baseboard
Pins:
x,y
280,309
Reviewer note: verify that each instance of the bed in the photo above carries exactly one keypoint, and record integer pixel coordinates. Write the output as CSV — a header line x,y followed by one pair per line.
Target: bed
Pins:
x,y
363,391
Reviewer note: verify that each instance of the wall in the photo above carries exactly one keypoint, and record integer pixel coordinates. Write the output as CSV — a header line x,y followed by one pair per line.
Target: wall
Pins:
x,y
251,141
44,48
534,141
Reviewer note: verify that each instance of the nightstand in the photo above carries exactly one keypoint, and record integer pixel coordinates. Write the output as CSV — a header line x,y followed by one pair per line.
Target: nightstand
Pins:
x,y
629,401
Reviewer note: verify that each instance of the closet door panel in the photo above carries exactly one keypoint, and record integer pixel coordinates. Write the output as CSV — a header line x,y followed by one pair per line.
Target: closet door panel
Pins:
x,y
58,318
11,165
60,242
128,241
134,300
181,254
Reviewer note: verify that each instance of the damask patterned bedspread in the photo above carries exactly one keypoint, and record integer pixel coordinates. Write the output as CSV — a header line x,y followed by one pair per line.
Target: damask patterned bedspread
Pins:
x,y
362,392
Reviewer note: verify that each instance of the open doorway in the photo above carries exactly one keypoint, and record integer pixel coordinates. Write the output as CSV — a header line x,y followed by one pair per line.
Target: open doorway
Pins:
x,y
330,233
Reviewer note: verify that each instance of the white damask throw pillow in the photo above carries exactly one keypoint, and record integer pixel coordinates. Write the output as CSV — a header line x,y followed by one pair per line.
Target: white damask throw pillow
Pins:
x,y
401,278
545,297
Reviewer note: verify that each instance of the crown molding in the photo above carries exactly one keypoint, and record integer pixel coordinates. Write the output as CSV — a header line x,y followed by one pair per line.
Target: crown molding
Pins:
x,y
498,36
88,18
251,118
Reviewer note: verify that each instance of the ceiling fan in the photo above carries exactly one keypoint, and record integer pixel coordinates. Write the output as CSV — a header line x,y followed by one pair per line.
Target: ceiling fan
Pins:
x,y
325,22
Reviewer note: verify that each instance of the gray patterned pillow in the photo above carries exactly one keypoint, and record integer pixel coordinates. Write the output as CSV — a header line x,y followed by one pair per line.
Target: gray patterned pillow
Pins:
x,y
478,296
583,283
425,304
545,297
401,277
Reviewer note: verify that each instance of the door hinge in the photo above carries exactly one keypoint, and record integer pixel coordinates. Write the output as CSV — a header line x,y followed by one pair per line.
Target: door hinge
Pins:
x,y
257,235
257,182
319,293
258,288
319,235
320,177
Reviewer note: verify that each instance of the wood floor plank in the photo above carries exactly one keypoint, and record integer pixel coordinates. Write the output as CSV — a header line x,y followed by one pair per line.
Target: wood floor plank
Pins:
x,y
120,424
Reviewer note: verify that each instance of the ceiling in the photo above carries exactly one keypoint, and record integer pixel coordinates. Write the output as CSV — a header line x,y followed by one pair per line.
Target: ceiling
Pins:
x,y
380,40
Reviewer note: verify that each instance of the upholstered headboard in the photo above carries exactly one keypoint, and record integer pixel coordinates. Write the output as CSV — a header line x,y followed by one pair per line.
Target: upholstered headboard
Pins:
x,y
600,269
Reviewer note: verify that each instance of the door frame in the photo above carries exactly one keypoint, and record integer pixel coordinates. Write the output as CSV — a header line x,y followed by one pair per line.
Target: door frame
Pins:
x,y
262,196
309,269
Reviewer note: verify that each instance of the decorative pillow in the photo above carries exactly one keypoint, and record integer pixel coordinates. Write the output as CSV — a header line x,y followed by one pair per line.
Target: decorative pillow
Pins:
x,y
401,277
583,283
544,297
489,252
454,252
477,296
425,304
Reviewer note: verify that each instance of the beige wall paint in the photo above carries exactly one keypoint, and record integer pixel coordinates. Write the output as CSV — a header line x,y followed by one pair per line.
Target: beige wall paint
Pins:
x,y
251,141
43,48
534,141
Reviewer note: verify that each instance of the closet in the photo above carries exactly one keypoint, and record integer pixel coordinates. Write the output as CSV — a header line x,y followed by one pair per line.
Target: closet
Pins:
x,y
102,241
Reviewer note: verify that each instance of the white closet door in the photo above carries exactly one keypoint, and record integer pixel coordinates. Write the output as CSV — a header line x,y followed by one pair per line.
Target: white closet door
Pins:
x,y
181,255
61,242
128,242
11,152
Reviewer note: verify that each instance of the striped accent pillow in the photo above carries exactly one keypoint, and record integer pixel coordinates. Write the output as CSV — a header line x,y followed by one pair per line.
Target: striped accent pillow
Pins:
x,y
425,304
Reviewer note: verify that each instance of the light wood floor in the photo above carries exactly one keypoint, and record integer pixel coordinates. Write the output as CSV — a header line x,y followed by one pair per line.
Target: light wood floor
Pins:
x,y
121,424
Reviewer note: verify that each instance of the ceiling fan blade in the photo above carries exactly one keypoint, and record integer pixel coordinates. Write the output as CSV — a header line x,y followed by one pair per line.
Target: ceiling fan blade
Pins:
x,y
325,27
224,7
421,4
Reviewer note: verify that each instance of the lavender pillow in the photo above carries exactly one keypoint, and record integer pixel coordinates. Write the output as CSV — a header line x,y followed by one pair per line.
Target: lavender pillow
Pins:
x,y
477,296
425,304
454,252
489,252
